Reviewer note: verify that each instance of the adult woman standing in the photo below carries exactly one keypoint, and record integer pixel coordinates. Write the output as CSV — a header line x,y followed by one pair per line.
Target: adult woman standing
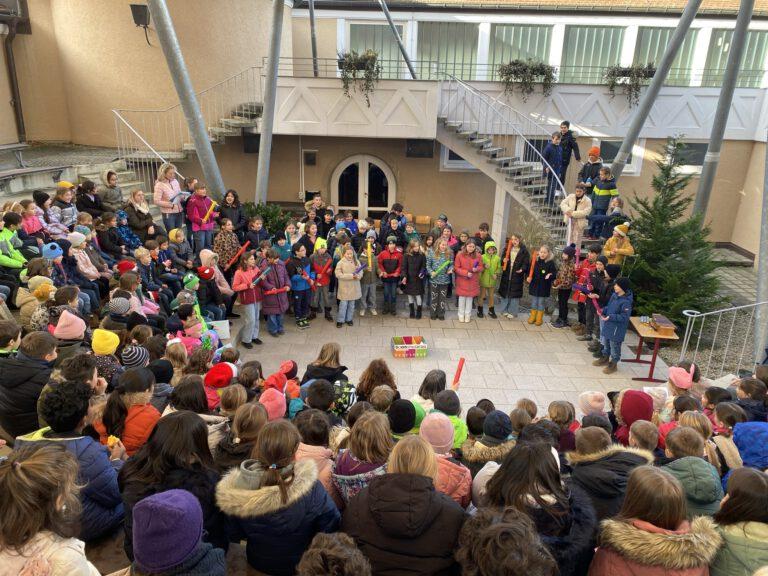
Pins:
x,y
139,218
168,196
516,266
400,520
651,535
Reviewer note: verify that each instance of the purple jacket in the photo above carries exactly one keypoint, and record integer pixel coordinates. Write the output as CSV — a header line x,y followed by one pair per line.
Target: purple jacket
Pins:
x,y
277,277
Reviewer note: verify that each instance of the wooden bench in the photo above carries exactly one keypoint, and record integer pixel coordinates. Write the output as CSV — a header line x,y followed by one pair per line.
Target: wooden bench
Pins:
x,y
17,148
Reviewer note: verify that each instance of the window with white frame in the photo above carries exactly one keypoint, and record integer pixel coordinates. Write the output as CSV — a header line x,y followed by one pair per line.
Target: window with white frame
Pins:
x,y
518,41
693,157
752,62
452,162
451,44
587,50
650,47
378,37
609,149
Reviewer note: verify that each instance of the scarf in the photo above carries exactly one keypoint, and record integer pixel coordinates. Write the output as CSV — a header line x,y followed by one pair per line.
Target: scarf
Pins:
x,y
143,207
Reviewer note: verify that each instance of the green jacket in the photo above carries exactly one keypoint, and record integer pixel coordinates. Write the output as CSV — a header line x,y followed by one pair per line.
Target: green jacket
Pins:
x,y
491,266
460,431
412,236
701,484
9,256
744,550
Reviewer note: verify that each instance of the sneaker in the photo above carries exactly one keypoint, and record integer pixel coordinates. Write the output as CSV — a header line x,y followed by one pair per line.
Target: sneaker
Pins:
x,y
373,312
350,323
558,324
362,312
246,345
257,342
508,315
339,324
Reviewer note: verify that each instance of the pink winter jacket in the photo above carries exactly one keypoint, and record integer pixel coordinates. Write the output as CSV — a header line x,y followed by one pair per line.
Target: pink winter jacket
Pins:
x,y
463,265
454,480
197,208
323,457
163,194
85,266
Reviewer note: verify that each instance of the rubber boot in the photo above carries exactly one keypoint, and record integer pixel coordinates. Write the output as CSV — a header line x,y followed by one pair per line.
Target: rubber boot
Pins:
x,y
532,317
412,312
539,317
312,313
491,312
480,311
418,312
328,315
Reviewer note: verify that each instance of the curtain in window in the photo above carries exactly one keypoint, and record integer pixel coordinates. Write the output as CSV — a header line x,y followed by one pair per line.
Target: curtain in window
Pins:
x,y
752,63
587,50
650,47
517,41
379,37
451,44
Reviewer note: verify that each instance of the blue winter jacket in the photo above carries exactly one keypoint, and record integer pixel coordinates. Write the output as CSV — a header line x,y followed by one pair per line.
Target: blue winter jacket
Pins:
x,y
751,438
277,533
148,274
602,193
553,154
618,310
100,496
294,267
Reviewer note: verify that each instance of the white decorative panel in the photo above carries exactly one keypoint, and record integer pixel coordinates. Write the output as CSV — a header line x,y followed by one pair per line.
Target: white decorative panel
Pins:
x,y
317,106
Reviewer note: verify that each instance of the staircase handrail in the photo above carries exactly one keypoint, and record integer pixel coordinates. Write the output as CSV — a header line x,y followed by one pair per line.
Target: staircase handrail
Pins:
x,y
487,99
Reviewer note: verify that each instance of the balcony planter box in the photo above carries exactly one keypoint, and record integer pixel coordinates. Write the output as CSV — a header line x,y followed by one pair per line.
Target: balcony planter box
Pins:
x,y
630,78
361,71
359,66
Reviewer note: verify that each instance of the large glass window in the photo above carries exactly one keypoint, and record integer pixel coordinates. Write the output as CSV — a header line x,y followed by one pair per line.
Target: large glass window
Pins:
x,y
451,44
650,47
587,50
752,63
517,41
379,37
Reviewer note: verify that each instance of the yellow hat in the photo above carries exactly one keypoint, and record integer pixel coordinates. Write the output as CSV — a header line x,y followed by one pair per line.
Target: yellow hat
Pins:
x,y
622,229
172,234
64,184
320,243
104,342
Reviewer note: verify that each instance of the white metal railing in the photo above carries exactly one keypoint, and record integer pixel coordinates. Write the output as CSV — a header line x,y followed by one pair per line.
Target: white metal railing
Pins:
x,y
722,341
519,137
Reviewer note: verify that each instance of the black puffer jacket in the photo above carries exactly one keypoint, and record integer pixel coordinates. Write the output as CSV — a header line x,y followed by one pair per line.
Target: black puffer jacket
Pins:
x,y
21,381
603,476
512,282
229,454
323,372
413,265
570,146
404,526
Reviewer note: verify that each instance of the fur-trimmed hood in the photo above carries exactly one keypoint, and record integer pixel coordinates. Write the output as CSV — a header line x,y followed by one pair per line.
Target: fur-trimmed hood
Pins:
x,y
689,547
575,458
478,453
236,498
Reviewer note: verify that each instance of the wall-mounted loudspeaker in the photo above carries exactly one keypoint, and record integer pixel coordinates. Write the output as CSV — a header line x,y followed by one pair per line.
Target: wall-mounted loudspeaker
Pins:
x,y
140,13
251,143
419,148
310,157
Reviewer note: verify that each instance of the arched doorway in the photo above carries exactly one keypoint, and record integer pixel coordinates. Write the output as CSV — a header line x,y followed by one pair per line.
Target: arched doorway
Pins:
x,y
363,184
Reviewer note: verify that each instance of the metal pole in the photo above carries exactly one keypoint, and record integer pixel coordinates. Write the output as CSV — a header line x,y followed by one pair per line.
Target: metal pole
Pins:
x,y
158,9
649,98
383,5
761,322
712,157
13,81
270,94
313,36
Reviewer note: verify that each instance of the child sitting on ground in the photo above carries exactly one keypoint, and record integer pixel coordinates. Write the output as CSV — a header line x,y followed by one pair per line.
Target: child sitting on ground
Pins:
x,y
448,403
727,415
382,399
713,396
181,252
529,406
680,405
644,435
519,419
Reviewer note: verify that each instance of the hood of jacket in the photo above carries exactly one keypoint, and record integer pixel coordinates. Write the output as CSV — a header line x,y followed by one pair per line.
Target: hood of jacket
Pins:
x,y
237,494
699,479
752,537
633,405
104,176
751,438
403,505
208,258
606,472
691,546
479,452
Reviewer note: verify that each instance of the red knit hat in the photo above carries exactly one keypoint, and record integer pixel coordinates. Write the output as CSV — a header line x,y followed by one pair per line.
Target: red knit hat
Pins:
x,y
221,375
205,273
126,266
274,402
289,368
276,381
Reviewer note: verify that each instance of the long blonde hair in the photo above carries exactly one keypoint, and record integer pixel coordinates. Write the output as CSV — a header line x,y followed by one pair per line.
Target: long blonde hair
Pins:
x,y
370,439
413,455
164,167
329,356
176,354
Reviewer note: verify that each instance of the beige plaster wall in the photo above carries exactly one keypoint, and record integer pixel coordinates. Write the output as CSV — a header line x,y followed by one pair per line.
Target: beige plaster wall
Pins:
x,y
7,123
105,62
749,217
325,28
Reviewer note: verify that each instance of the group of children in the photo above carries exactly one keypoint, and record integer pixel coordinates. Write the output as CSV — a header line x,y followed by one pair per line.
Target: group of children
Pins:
x,y
185,452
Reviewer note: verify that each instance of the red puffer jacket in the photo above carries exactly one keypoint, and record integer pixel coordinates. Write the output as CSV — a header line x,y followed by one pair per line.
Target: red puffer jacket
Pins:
x,y
467,270
241,284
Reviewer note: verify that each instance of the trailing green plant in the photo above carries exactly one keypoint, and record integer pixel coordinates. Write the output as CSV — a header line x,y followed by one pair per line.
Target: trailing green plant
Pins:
x,y
630,78
360,71
675,266
275,219
526,74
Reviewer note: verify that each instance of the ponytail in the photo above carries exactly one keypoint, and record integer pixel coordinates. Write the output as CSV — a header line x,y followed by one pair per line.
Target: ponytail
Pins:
x,y
132,381
275,450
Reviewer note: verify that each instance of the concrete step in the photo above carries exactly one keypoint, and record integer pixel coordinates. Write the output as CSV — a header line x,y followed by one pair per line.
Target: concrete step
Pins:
x,y
526,177
142,156
453,124
493,150
249,109
220,132
516,169
122,176
502,160
468,134
239,122
481,142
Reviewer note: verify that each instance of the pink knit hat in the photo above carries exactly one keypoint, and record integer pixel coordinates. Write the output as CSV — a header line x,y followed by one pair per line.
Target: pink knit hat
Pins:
x,y
681,377
274,402
437,429
592,402
69,327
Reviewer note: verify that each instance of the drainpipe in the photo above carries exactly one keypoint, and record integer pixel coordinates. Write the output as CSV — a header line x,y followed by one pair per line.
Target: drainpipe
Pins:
x,y
399,40
712,157
183,84
13,80
761,319
270,95
313,37
649,98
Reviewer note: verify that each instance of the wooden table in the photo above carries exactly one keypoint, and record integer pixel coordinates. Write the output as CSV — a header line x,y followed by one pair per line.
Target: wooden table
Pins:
x,y
646,332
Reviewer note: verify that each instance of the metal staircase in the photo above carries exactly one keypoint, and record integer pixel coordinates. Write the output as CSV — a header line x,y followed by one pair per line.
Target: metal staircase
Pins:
x,y
505,145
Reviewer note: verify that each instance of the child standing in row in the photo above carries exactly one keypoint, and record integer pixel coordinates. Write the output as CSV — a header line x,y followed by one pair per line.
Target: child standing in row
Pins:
x,y
390,263
250,297
348,289
322,266
491,271
275,287
414,266
468,267
368,255
302,281
566,276
439,268
540,284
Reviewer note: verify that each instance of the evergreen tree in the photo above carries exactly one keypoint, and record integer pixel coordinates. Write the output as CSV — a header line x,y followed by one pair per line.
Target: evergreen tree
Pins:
x,y
674,270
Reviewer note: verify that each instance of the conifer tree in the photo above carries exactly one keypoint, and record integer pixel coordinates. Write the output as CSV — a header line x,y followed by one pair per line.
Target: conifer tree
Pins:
x,y
674,270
